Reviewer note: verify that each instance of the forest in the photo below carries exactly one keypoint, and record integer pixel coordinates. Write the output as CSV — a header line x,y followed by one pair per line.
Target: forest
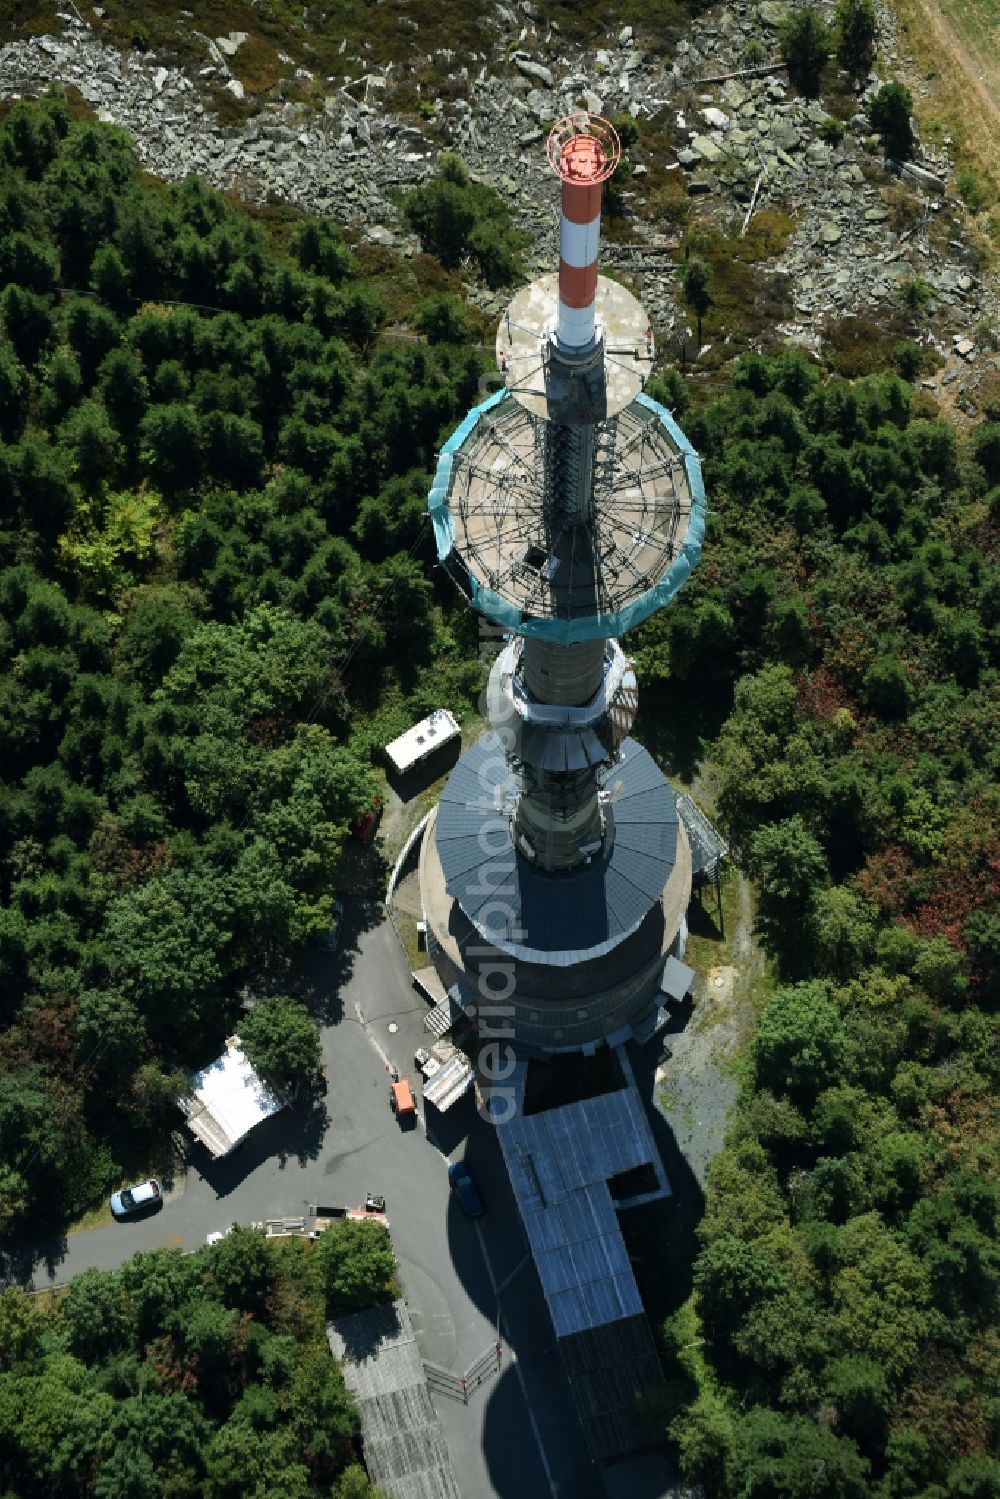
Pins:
x,y
202,1374
836,650
216,598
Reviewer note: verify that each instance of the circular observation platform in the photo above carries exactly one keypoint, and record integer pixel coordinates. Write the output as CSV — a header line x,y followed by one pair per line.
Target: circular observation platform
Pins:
x,y
556,918
564,582
583,950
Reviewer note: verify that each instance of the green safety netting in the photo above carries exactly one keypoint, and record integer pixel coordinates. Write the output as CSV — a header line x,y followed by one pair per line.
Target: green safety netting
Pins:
x,y
565,631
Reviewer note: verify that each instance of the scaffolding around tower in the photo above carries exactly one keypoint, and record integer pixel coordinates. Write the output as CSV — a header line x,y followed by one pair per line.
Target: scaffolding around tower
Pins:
x,y
493,528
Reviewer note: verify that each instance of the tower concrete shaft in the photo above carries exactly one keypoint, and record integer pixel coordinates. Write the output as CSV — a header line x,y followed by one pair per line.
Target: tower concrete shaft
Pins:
x,y
558,818
568,507
567,675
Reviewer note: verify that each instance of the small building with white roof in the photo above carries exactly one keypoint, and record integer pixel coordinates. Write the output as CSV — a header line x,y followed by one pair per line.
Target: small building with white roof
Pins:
x,y
227,1100
422,741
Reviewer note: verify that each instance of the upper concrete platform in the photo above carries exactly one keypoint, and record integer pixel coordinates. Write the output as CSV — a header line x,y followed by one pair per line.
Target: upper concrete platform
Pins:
x,y
569,917
525,344
594,989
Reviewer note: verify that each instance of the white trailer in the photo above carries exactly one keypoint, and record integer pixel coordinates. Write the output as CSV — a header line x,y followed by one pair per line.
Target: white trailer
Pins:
x,y
422,741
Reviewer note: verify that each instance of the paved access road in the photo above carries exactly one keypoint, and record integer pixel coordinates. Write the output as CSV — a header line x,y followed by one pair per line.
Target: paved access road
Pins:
x,y
519,1434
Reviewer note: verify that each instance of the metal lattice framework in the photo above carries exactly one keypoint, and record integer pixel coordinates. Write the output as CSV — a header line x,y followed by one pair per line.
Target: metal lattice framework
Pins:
x,y
708,847
591,130
507,538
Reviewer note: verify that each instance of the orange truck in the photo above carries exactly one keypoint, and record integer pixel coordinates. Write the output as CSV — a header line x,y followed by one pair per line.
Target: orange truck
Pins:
x,y
401,1100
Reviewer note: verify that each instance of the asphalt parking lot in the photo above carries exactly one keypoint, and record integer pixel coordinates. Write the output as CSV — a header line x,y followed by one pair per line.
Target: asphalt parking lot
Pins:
x,y
463,1280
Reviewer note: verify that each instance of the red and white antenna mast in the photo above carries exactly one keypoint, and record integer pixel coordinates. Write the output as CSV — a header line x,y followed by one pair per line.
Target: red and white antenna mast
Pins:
x,y
583,152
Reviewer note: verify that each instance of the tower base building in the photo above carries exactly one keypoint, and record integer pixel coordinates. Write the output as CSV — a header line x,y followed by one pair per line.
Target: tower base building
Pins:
x,y
569,961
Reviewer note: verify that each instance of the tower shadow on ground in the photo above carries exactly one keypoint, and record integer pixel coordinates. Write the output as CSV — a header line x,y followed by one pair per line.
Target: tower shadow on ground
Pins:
x,y
296,1132
422,776
661,1236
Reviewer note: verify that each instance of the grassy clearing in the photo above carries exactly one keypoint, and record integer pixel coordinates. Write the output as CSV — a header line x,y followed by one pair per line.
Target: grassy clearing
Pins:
x,y
721,945
28,17
746,300
406,929
99,1216
404,283
713,932
956,45
48,1301
861,346
677,1102
165,1165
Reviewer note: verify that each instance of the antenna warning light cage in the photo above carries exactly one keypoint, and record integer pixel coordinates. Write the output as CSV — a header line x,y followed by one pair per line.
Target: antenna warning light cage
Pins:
x,y
583,148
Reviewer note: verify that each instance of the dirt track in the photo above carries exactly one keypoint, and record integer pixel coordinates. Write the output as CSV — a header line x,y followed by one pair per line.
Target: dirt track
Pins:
x,y
697,1085
981,70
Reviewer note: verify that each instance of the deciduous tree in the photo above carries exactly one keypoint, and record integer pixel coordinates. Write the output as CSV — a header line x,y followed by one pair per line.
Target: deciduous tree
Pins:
x,y
790,865
800,1044
282,1040
732,1276
358,1264
774,1453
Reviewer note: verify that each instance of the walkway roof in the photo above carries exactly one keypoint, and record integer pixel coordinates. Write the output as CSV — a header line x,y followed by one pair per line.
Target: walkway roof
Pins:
x,y
405,1451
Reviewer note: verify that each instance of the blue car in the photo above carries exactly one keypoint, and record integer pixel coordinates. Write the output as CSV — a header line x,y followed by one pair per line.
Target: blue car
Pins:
x,y
462,1183
330,940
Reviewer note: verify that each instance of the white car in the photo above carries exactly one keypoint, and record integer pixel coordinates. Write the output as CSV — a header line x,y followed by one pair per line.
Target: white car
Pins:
x,y
131,1200
217,1235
